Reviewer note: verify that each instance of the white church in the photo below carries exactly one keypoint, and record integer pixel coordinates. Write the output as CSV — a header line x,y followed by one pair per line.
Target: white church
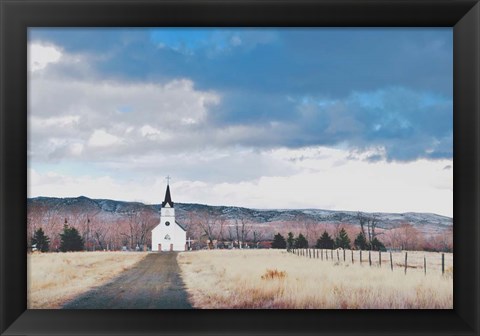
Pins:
x,y
168,235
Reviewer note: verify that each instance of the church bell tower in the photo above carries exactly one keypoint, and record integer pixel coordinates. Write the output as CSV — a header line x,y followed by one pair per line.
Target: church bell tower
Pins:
x,y
167,212
168,235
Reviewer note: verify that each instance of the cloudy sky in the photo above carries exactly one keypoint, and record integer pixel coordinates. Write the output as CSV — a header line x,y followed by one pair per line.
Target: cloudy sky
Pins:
x,y
347,119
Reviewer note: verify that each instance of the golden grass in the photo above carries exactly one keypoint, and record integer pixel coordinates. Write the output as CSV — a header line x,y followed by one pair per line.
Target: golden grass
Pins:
x,y
54,278
251,279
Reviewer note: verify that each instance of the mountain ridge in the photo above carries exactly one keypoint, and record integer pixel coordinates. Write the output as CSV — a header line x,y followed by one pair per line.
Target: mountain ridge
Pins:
x,y
108,208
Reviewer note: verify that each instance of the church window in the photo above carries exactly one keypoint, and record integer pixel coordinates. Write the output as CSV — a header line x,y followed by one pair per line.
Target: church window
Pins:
x,y
167,237
167,223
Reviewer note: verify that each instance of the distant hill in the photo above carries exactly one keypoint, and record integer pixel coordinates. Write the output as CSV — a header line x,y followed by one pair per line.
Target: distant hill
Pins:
x,y
110,210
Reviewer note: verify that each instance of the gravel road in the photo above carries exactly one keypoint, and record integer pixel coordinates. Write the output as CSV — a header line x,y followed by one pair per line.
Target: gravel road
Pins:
x,y
153,283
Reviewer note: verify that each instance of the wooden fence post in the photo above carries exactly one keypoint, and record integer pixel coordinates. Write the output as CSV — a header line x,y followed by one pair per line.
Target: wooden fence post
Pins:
x,y
425,265
361,257
338,256
391,261
406,262
379,258
370,258
343,255
321,254
352,257
443,263
331,253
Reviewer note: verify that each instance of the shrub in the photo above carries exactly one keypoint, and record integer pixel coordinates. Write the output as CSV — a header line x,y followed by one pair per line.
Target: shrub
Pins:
x,y
271,274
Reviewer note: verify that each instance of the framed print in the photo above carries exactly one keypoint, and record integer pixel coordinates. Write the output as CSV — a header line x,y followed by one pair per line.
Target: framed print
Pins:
x,y
281,167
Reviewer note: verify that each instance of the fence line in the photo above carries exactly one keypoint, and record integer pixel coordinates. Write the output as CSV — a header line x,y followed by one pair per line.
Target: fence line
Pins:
x,y
323,255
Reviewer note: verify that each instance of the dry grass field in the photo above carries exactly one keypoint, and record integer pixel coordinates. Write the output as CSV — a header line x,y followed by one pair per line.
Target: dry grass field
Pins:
x,y
277,279
54,278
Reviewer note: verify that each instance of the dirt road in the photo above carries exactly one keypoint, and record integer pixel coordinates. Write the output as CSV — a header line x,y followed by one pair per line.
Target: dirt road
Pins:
x,y
154,283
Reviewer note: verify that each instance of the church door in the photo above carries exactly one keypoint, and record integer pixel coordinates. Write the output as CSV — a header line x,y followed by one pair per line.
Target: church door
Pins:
x,y
159,247
171,247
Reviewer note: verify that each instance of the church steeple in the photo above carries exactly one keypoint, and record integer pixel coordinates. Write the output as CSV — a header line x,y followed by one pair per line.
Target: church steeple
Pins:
x,y
168,198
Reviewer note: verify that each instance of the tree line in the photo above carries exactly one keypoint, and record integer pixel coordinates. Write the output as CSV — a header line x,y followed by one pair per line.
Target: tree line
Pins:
x,y
70,240
132,230
325,241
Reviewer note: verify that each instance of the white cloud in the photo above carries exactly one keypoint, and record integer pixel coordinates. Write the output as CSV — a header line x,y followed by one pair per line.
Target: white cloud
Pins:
x,y
39,56
53,122
153,133
100,138
118,117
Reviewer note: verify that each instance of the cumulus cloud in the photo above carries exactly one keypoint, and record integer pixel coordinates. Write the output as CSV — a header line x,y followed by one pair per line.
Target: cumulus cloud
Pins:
x,y
39,56
243,115
122,116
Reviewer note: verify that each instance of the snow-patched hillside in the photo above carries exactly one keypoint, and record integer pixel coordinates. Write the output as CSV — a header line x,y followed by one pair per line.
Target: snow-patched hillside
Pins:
x,y
109,210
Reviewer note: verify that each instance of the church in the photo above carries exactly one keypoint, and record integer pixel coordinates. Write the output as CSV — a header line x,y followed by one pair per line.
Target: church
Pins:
x,y
168,235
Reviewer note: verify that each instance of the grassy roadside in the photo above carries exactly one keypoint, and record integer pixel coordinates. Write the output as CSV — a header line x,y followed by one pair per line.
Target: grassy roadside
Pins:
x,y
54,278
276,279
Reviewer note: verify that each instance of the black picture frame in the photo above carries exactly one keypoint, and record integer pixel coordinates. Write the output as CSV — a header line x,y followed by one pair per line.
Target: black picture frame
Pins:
x,y
16,16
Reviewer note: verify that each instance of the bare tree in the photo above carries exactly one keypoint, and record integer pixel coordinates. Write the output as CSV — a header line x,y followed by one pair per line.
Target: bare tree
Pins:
x,y
371,222
362,220
242,230
257,235
222,228
409,237
208,223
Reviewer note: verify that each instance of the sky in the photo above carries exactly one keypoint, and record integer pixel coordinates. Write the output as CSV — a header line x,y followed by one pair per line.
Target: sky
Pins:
x,y
342,119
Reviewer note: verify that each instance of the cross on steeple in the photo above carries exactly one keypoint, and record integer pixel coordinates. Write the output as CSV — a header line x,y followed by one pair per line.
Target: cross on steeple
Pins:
x,y
168,178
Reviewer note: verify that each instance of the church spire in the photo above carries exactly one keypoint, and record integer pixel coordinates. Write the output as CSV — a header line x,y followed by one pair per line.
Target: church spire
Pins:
x,y
168,198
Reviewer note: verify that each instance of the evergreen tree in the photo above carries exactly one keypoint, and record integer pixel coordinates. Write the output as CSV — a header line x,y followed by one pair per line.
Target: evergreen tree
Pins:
x,y
377,245
40,241
361,242
301,241
290,241
70,239
279,242
325,241
342,240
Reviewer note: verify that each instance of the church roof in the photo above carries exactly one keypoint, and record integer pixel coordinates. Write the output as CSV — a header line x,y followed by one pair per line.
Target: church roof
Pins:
x,y
181,226
168,198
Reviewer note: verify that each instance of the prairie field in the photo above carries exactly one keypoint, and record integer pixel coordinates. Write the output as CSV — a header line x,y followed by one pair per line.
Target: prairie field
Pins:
x,y
278,279
54,278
